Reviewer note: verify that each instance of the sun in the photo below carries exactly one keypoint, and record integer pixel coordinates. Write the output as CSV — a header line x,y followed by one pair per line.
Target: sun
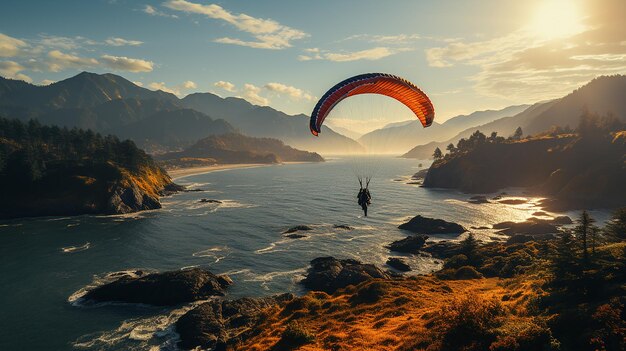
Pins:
x,y
555,19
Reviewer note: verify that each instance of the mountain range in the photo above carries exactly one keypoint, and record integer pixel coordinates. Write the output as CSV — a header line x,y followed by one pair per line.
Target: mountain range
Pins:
x,y
603,95
401,136
156,120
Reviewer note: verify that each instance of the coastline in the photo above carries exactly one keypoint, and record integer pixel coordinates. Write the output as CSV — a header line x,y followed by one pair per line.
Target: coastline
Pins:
x,y
191,171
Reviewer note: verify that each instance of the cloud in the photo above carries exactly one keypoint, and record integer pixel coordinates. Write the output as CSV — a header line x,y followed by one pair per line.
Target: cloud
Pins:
x,y
373,54
293,92
176,90
530,65
138,83
154,12
122,42
386,39
251,93
63,43
122,63
47,82
58,61
268,34
12,69
228,86
10,46
189,85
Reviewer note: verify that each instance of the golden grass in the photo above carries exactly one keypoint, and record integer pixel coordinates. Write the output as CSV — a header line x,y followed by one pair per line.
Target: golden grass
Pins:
x,y
399,312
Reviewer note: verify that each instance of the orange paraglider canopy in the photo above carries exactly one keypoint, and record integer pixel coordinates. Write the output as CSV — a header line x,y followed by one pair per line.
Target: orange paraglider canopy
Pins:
x,y
374,83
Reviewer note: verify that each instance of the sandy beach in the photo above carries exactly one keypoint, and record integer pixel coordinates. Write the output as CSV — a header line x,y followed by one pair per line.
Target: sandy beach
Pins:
x,y
185,172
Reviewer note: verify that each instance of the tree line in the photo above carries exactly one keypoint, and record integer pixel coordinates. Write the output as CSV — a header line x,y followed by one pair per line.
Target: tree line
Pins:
x,y
28,149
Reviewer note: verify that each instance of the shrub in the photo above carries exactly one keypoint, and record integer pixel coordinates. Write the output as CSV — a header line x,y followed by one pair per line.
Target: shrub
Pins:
x,y
296,335
467,272
456,261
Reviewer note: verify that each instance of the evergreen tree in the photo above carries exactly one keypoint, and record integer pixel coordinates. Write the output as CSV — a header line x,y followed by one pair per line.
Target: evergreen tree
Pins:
x,y
469,248
518,134
451,149
616,227
437,155
584,231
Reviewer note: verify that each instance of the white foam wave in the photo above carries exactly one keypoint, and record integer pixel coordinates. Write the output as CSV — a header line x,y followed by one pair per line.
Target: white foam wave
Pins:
x,y
152,333
217,253
72,249
76,298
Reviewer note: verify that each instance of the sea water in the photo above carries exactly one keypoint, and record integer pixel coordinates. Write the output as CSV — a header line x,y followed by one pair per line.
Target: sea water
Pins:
x,y
46,263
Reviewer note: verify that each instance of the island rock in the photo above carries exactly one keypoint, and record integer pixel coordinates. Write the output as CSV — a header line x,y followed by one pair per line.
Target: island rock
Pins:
x,y
329,274
425,225
410,244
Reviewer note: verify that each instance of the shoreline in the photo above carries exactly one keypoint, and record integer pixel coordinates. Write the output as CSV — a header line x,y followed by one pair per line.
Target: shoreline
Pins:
x,y
191,171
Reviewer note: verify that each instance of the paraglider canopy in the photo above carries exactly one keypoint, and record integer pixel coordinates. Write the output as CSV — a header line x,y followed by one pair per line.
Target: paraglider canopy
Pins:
x,y
374,83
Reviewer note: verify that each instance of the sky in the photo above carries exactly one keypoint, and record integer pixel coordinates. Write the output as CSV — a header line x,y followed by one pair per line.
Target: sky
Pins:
x,y
466,55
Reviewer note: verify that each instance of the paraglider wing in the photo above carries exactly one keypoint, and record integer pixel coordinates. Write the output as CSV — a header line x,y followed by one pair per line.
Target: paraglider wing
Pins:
x,y
374,83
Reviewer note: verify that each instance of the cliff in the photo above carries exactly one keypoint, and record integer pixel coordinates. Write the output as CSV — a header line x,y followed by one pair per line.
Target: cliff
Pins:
x,y
47,171
575,171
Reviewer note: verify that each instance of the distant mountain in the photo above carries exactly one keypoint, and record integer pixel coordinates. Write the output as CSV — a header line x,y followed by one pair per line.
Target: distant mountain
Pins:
x,y
109,103
602,95
172,129
347,132
264,121
400,136
238,148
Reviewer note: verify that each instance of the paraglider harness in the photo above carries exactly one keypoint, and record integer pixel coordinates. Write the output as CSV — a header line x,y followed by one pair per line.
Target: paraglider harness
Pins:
x,y
364,196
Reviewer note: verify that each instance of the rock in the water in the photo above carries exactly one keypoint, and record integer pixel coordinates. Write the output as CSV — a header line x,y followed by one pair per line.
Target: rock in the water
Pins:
x,y
398,263
420,175
297,228
442,249
479,199
482,227
342,226
162,289
425,225
532,226
513,201
329,274
172,188
210,201
295,236
216,324
127,199
410,244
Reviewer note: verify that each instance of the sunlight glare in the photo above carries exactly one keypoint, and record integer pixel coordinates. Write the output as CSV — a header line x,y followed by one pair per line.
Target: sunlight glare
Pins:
x,y
557,19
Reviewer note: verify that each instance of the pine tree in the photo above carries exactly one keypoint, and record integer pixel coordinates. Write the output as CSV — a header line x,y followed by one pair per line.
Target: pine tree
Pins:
x,y
583,232
469,248
437,155
518,134
616,227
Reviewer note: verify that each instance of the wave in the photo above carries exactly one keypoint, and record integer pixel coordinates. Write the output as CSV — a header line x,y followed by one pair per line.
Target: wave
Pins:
x,y
76,299
266,278
152,333
217,253
72,249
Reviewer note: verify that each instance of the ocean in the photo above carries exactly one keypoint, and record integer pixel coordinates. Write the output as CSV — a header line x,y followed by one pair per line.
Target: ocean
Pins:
x,y
46,262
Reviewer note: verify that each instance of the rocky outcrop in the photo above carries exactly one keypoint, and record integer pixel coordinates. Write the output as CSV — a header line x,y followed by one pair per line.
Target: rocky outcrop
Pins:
x,y
216,324
411,244
533,226
329,274
131,199
442,249
425,225
478,199
398,264
297,229
162,289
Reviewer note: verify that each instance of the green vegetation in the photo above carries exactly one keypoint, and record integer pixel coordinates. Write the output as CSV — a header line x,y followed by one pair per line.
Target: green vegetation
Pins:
x,y
47,170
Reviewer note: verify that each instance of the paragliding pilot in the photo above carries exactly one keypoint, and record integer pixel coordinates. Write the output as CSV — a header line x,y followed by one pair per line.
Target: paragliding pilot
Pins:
x,y
364,198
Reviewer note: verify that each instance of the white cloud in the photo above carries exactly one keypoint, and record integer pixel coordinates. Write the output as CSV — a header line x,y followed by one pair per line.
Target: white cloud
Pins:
x,y
189,85
138,83
373,54
63,43
251,93
163,87
122,63
12,69
122,42
10,46
228,86
47,82
154,12
58,61
268,33
293,92
386,39
176,90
